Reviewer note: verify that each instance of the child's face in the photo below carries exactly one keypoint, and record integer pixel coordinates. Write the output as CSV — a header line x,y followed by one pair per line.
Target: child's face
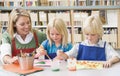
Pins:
x,y
55,35
92,38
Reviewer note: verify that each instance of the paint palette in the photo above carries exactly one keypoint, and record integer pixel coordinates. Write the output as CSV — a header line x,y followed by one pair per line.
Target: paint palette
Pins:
x,y
42,63
89,65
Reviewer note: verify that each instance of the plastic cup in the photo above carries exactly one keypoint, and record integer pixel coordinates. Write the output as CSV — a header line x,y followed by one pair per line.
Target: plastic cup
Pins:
x,y
55,66
71,63
26,63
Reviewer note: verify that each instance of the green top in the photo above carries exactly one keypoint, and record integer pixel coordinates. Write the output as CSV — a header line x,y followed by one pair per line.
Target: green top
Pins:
x,y
41,37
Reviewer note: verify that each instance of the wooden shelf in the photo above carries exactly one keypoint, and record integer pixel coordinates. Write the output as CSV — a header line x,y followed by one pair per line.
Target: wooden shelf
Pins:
x,y
39,26
46,8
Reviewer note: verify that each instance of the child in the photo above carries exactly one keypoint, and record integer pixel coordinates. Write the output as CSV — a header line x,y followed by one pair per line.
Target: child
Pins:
x,y
93,48
57,39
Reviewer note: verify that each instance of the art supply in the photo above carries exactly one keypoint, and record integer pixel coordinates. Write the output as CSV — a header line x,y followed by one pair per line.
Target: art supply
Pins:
x,y
55,66
26,60
42,62
48,57
71,64
21,53
26,63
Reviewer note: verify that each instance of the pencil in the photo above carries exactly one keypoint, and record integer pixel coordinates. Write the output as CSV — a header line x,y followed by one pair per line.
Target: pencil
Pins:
x,y
48,57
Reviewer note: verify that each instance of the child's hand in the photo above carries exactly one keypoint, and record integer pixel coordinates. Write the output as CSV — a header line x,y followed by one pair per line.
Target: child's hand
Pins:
x,y
43,52
40,52
59,52
60,55
107,64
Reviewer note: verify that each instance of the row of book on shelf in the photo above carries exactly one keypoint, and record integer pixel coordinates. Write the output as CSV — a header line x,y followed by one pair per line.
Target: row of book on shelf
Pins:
x,y
58,2
108,17
110,33
43,17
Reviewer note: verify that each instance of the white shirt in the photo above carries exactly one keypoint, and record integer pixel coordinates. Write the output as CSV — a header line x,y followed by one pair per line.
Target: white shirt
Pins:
x,y
27,39
6,48
110,52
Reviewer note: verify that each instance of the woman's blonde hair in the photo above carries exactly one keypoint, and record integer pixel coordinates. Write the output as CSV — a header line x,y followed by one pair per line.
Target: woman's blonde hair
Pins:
x,y
60,26
14,16
93,25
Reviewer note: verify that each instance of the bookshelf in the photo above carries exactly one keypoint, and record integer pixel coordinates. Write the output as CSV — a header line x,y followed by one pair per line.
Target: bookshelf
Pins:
x,y
118,28
72,12
58,8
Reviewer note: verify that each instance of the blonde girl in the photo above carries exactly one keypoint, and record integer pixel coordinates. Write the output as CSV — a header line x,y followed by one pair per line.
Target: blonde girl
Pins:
x,y
57,38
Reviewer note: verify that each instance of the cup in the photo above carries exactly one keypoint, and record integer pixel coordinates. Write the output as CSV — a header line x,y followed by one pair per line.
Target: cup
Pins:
x,y
71,64
26,63
55,65
62,64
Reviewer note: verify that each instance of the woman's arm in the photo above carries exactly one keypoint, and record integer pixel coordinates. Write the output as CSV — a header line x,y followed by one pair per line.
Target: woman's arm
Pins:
x,y
7,59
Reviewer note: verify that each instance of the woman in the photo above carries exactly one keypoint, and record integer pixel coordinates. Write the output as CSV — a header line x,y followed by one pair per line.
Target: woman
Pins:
x,y
19,36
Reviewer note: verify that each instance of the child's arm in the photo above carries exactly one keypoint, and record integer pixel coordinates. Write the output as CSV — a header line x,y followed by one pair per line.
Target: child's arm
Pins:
x,y
61,55
111,61
71,53
111,55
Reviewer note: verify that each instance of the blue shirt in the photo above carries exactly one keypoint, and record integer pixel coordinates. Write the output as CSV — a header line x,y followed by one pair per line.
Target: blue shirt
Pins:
x,y
52,50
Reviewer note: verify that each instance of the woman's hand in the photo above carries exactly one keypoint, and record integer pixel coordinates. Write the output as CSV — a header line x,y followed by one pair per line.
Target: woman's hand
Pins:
x,y
10,60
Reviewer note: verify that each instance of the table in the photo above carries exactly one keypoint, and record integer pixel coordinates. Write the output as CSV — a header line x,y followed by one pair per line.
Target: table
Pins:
x,y
112,71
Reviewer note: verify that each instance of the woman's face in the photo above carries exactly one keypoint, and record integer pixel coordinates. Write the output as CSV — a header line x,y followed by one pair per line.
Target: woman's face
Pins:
x,y
92,38
55,35
23,25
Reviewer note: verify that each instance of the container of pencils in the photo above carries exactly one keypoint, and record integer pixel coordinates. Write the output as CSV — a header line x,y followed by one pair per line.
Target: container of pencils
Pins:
x,y
26,62
71,64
